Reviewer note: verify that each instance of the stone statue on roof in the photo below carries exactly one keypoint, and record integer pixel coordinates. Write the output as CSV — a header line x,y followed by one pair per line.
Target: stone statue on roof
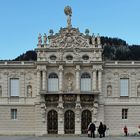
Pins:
x,y
45,38
39,39
68,12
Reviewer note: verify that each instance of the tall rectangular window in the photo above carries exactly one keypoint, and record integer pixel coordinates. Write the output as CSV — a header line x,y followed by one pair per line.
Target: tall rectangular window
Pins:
x,y
124,113
53,84
13,114
124,87
85,84
14,87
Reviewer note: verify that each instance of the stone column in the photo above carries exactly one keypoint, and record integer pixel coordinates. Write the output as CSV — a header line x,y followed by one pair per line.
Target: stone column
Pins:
x,y
60,116
78,116
77,78
94,84
60,78
100,80
44,80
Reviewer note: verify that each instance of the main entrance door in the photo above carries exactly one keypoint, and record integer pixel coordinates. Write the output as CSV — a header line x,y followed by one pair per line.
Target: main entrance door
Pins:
x,y
69,124
85,120
52,121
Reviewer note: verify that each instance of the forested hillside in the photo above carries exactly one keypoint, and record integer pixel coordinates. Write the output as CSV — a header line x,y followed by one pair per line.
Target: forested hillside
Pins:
x,y
118,49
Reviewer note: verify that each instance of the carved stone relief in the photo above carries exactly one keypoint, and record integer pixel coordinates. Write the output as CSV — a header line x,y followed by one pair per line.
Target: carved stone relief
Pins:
x,y
68,38
29,91
69,82
109,90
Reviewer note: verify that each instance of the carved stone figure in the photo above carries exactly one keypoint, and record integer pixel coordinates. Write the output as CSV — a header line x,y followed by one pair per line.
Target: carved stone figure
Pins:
x,y
77,53
61,53
98,40
45,38
29,91
109,90
93,39
39,39
69,84
68,12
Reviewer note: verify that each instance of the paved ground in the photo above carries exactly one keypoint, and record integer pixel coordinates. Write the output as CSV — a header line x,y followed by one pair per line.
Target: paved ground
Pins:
x,y
64,138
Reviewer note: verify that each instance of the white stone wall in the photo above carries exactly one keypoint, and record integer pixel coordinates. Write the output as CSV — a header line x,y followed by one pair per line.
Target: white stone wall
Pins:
x,y
113,103
114,121
24,124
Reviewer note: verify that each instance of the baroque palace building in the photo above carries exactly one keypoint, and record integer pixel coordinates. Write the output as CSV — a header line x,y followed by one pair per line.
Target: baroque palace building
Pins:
x,y
68,86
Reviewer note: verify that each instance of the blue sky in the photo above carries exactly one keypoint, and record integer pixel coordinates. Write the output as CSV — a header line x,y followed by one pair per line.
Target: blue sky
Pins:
x,y
22,20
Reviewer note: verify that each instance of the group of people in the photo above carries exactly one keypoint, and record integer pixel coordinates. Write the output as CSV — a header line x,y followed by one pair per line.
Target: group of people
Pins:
x,y
92,128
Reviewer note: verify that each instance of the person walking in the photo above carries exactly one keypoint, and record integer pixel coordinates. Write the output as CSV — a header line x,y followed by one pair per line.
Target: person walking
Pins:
x,y
92,129
125,130
88,130
101,129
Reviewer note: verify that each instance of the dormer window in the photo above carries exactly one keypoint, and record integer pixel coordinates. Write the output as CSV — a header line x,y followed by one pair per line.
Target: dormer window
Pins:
x,y
53,57
85,57
69,57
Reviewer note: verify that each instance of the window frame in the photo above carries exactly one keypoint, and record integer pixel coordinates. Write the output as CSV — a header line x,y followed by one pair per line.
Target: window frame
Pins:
x,y
12,88
13,113
123,92
124,113
52,83
85,76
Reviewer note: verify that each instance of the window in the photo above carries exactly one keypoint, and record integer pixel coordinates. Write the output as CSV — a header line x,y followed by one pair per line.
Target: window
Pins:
x,y
85,82
53,57
53,82
85,57
13,114
124,87
124,113
14,87
69,57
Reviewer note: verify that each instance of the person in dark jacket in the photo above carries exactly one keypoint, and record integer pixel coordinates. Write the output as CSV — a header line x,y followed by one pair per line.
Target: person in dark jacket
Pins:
x,y
104,130
92,129
101,130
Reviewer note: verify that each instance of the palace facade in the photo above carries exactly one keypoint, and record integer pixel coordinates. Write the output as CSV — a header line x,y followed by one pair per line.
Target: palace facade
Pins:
x,y
68,86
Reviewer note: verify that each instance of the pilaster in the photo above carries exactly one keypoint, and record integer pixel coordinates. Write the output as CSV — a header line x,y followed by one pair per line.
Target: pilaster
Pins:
x,y
100,80
94,84
38,81
60,116
78,116
60,78
44,79
77,70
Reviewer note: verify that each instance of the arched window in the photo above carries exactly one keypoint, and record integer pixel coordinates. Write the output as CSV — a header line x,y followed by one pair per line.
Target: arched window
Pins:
x,y
85,82
53,82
